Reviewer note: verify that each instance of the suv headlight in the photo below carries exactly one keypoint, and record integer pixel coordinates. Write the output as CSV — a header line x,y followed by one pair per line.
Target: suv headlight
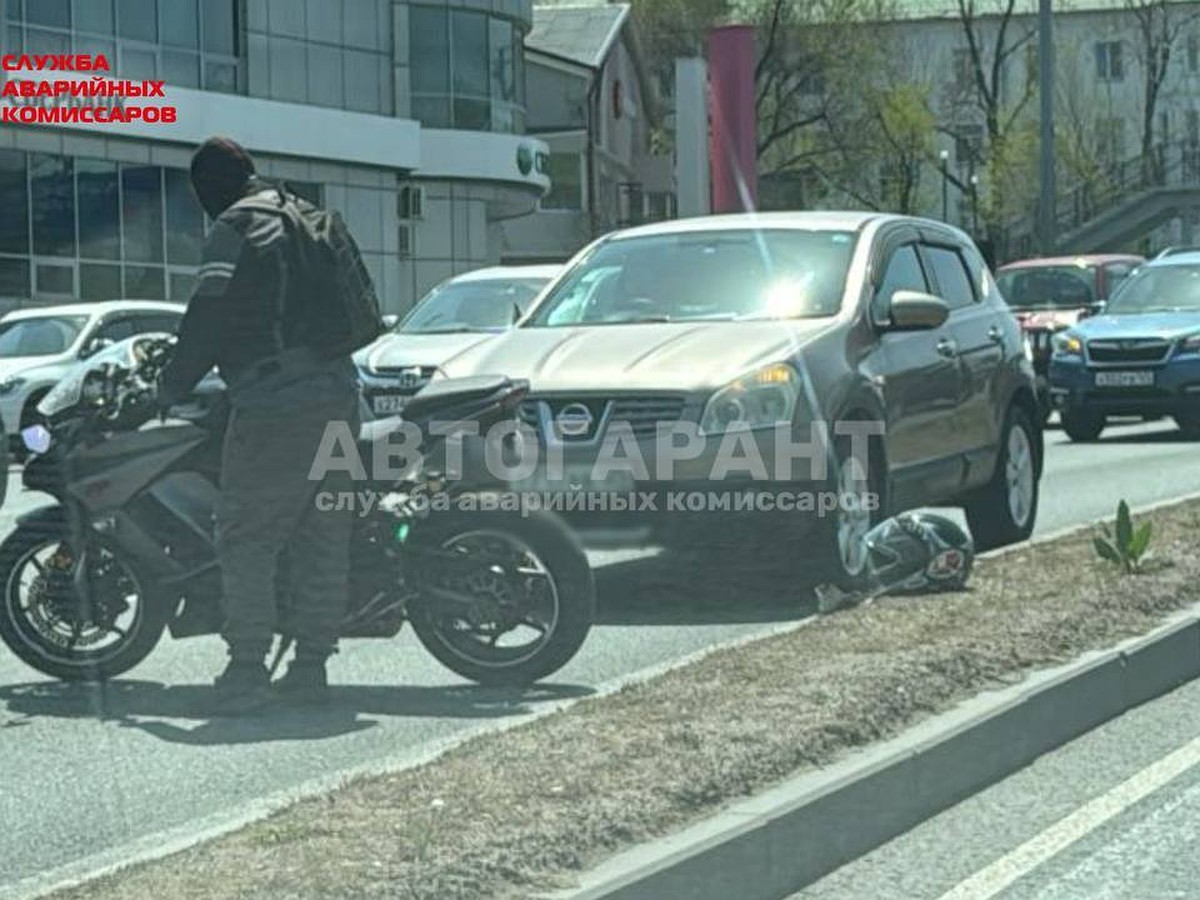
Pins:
x,y
1067,345
10,384
762,399
1190,344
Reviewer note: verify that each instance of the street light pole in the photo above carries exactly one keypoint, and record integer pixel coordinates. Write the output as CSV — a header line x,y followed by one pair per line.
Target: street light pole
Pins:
x,y
1048,190
944,156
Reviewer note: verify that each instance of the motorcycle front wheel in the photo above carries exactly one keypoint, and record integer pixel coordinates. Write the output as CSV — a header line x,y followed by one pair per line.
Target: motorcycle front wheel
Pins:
x,y
523,595
45,623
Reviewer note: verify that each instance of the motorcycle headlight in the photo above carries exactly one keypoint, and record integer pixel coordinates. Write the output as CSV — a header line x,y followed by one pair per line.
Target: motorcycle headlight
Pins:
x,y
1067,345
8,385
63,395
1190,344
36,439
762,399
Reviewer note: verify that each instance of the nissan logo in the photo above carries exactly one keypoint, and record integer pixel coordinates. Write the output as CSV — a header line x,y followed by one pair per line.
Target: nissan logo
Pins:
x,y
573,420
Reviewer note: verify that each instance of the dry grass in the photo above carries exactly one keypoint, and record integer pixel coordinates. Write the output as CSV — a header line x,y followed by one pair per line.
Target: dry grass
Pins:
x,y
509,813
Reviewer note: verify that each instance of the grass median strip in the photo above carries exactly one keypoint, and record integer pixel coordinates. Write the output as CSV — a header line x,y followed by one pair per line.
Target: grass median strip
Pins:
x,y
506,814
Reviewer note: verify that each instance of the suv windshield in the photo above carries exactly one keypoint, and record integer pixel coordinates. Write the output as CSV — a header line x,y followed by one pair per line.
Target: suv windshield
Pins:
x,y
472,306
1048,287
41,336
1158,289
693,276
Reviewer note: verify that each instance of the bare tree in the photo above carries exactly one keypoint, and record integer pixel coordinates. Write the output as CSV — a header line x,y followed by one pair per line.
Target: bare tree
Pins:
x,y
988,56
1159,26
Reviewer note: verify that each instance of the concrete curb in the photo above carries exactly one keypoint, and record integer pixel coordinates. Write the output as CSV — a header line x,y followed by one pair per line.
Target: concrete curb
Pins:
x,y
771,845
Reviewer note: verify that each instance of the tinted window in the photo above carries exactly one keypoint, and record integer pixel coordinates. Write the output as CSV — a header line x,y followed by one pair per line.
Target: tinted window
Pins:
x,y
99,209
53,204
144,324
950,273
902,273
1048,287
14,200
116,330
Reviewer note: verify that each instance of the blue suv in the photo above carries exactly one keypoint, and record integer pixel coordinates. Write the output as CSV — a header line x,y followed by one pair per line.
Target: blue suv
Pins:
x,y
1139,357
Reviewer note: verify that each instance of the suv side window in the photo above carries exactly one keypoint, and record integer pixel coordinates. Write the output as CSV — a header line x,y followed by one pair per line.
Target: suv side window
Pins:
x,y
950,273
115,329
981,277
903,272
150,323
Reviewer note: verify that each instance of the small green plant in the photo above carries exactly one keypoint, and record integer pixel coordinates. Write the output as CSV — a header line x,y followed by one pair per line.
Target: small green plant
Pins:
x,y
1123,545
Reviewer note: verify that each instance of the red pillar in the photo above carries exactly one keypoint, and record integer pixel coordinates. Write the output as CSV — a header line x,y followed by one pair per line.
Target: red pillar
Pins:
x,y
731,108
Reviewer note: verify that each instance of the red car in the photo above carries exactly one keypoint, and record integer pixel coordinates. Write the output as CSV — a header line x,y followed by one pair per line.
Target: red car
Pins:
x,y
1050,294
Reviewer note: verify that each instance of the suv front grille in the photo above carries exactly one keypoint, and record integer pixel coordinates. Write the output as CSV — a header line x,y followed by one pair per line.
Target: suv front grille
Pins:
x,y
643,414
1122,352
406,378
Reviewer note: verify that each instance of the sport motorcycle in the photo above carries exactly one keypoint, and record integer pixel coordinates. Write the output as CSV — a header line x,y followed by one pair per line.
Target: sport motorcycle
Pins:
x,y
126,553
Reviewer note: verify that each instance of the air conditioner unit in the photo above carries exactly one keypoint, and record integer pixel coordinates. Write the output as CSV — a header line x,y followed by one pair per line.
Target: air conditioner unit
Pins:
x,y
410,202
404,241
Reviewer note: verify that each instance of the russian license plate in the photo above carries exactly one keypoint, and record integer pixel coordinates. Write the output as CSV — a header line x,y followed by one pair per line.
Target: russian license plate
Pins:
x,y
1142,378
388,404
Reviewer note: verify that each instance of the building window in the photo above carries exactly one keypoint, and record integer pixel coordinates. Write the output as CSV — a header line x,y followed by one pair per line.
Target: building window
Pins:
x,y
467,70
1110,66
566,182
98,230
187,43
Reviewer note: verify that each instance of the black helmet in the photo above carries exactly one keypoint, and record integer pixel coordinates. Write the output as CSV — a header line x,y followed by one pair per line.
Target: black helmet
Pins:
x,y
919,551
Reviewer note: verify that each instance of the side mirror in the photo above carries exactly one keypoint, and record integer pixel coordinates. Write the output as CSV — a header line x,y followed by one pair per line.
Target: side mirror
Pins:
x,y
916,311
94,346
1094,309
390,321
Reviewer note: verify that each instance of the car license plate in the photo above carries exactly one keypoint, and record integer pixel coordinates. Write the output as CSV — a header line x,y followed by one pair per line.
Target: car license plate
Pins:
x,y
388,404
1143,378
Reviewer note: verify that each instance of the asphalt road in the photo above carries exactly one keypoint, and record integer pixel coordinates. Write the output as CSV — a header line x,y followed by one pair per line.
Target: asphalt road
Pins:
x,y
1113,815
87,772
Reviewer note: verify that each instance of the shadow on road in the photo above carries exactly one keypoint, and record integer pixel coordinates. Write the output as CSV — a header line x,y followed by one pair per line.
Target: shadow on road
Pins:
x,y
156,708
1167,434
677,589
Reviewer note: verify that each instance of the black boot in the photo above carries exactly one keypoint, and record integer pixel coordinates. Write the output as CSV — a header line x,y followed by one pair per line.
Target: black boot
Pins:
x,y
243,688
305,682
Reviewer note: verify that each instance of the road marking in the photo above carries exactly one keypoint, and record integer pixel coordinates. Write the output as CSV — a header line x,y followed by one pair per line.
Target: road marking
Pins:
x,y
1022,860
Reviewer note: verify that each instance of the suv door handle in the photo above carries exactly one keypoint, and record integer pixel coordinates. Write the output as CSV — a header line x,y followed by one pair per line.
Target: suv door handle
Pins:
x,y
947,347
996,333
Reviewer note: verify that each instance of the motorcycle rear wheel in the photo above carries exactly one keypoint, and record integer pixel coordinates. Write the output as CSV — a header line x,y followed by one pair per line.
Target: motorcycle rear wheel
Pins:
x,y
35,630
543,547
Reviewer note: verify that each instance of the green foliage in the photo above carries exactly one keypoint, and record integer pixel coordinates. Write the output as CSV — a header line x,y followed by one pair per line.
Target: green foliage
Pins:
x,y
1124,545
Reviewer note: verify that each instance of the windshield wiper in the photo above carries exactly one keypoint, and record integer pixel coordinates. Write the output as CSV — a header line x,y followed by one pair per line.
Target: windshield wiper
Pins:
x,y
459,329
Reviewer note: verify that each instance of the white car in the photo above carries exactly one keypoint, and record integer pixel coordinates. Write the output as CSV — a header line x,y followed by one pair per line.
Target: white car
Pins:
x,y
38,346
456,315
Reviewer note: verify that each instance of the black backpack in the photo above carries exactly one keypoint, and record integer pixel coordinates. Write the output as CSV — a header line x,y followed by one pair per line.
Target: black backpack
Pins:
x,y
338,310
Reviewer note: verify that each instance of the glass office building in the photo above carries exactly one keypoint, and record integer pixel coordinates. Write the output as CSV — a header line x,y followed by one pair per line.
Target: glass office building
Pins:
x,y
408,117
